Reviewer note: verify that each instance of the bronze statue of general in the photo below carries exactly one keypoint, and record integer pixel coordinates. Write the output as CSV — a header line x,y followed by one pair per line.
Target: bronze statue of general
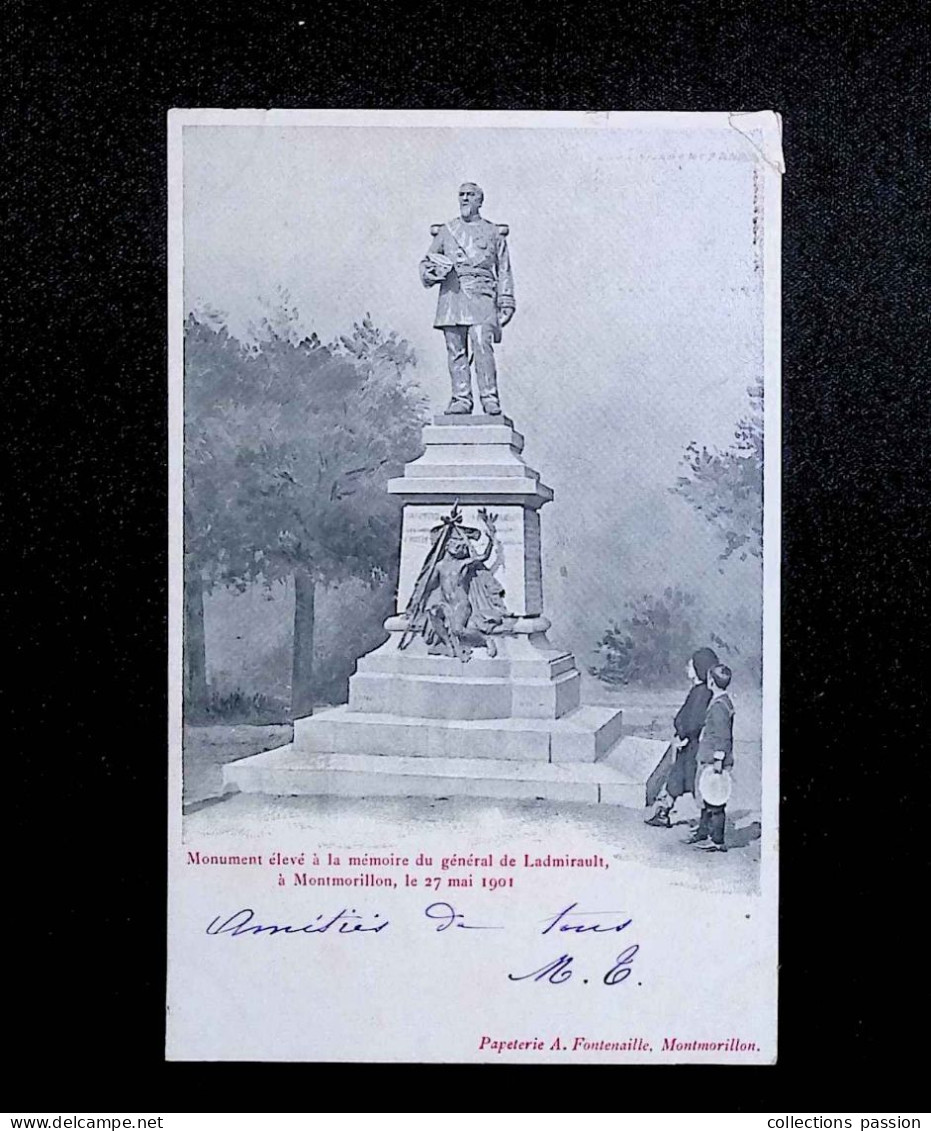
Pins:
x,y
469,260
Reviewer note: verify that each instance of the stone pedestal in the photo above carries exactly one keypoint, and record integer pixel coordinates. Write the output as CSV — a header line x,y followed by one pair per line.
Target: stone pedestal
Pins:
x,y
426,725
473,462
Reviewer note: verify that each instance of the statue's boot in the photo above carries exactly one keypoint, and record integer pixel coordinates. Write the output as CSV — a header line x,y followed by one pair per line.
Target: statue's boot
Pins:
x,y
491,406
459,406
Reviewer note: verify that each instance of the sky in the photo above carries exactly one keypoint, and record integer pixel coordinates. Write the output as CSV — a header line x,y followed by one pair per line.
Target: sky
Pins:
x,y
638,280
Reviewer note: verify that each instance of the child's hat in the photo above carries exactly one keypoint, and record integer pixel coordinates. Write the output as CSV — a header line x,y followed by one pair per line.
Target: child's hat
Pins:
x,y
715,788
703,660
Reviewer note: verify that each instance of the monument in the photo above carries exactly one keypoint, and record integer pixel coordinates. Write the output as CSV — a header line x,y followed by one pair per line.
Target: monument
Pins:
x,y
467,696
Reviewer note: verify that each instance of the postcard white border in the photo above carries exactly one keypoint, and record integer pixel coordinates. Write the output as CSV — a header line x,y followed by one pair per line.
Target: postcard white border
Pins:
x,y
763,124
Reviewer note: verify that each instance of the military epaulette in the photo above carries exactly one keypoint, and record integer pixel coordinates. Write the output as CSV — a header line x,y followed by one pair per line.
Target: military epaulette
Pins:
x,y
502,229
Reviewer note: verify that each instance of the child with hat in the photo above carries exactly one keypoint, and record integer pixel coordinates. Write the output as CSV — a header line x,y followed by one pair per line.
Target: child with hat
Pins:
x,y
715,759
687,725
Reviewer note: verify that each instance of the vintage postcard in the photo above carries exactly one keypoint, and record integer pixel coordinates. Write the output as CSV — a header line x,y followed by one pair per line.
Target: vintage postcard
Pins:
x,y
475,460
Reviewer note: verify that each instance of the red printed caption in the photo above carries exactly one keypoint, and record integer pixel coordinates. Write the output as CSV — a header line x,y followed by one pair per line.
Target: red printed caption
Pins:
x,y
491,872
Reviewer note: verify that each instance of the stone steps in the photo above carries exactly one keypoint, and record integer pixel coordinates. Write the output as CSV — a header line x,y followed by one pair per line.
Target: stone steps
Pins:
x,y
582,735
622,778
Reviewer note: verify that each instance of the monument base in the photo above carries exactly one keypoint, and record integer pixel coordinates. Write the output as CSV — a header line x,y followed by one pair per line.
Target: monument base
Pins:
x,y
579,757
504,720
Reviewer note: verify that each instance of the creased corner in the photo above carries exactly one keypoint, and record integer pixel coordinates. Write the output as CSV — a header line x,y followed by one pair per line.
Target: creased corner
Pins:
x,y
763,130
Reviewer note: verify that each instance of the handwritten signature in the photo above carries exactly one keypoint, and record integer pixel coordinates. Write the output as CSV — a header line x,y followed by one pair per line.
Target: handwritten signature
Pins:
x,y
561,970
443,916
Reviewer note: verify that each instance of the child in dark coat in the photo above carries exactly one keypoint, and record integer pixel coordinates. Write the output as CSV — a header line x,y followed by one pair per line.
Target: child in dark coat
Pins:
x,y
687,726
715,756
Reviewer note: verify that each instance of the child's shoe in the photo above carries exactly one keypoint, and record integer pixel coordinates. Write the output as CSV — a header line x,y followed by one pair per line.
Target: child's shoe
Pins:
x,y
660,819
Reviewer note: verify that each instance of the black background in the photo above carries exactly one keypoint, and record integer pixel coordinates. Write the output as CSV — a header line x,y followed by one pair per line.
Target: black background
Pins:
x,y
86,333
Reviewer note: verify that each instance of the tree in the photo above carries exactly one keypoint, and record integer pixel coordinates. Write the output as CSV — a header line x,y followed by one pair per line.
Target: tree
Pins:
x,y
726,487
290,444
654,635
214,371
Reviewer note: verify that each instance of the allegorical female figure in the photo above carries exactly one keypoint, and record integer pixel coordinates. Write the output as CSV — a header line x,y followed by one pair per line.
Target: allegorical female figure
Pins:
x,y
458,602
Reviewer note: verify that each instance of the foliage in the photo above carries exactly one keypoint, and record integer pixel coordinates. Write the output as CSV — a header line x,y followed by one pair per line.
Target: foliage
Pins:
x,y
651,642
726,487
740,642
288,444
239,707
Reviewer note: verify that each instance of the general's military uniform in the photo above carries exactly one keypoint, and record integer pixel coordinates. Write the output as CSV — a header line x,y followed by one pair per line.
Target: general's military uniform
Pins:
x,y
470,262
